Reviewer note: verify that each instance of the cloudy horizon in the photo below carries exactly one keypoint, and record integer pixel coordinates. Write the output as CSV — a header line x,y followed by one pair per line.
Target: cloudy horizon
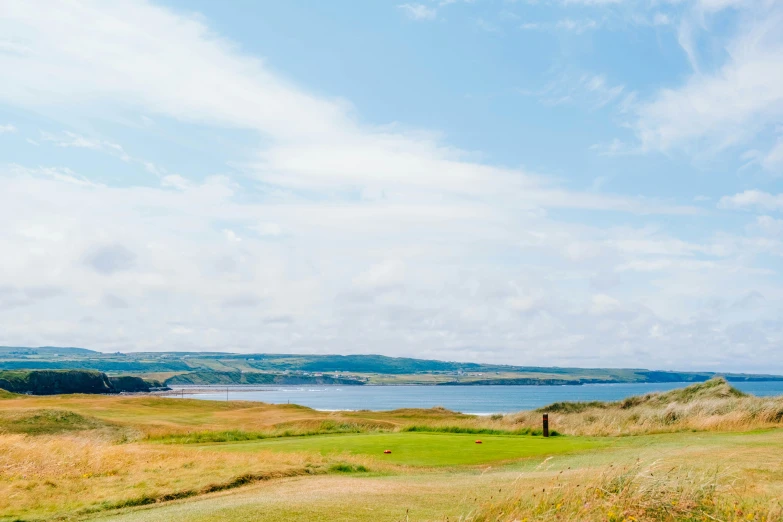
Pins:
x,y
553,183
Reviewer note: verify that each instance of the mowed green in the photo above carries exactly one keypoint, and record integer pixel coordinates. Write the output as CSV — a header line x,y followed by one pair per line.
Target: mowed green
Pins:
x,y
422,449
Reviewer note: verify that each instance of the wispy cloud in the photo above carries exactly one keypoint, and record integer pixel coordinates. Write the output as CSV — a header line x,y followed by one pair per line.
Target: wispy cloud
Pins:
x,y
576,26
71,139
7,128
729,106
753,200
588,89
616,147
661,19
592,2
489,27
419,11
68,139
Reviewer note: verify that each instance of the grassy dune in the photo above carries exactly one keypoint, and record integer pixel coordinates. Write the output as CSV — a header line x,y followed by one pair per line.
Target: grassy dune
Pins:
x,y
705,452
712,405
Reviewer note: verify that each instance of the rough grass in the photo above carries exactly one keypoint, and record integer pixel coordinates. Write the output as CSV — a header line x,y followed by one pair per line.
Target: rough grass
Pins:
x,y
63,456
47,422
7,395
46,475
710,406
639,492
745,467
302,429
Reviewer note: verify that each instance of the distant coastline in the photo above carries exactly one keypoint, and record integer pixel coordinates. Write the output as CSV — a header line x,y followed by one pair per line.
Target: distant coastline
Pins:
x,y
268,369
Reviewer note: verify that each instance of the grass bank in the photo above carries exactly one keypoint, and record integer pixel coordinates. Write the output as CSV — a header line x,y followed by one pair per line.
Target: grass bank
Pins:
x,y
710,406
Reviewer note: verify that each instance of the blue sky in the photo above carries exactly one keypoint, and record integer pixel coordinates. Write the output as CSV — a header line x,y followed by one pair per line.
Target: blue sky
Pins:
x,y
553,182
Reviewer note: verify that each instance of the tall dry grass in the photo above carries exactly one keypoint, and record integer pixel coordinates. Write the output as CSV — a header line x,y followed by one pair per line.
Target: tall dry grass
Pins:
x,y
710,406
640,492
44,475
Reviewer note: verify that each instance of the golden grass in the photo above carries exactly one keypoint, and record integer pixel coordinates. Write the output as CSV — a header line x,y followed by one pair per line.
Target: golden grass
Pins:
x,y
65,455
666,477
653,491
710,406
45,475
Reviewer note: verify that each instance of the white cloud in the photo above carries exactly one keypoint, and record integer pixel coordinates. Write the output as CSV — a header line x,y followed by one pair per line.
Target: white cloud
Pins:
x,y
487,26
231,236
730,105
71,139
613,148
661,19
360,238
7,128
68,139
752,199
768,226
419,11
576,26
773,160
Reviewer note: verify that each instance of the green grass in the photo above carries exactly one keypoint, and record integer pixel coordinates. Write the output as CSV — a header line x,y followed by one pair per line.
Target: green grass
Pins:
x,y
477,431
47,422
423,449
449,493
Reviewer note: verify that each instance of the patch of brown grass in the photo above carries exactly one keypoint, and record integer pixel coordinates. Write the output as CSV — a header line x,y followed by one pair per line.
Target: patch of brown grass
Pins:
x,y
46,475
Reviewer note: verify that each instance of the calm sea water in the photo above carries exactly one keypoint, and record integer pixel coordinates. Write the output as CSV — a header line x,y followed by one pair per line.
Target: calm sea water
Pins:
x,y
467,399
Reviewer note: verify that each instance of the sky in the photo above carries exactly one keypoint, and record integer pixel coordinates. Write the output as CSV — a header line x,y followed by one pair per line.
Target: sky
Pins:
x,y
535,182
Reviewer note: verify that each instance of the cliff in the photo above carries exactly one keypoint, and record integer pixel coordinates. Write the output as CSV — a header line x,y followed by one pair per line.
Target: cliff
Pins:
x,y
54,382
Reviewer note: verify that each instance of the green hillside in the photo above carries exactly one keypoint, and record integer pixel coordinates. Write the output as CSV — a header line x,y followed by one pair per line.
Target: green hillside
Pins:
x,y
229,368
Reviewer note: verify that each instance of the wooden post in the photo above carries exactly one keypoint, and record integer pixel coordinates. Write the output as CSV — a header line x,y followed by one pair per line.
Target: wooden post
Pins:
x,y
546,425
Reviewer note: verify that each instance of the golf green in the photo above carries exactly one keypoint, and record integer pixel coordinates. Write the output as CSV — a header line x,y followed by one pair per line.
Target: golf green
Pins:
x,y
422,449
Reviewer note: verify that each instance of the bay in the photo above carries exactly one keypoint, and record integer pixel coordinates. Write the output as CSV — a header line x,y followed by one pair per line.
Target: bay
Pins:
x,y
482,400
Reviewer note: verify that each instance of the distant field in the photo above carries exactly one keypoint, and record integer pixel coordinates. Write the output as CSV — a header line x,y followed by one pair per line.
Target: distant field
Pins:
x,y
422,449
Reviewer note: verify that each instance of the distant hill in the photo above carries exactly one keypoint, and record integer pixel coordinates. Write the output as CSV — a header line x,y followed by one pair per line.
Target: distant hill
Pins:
x,y
46,350
375,369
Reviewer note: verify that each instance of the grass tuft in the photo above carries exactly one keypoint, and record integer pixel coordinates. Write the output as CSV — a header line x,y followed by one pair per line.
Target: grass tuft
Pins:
x,y
639,492
342,467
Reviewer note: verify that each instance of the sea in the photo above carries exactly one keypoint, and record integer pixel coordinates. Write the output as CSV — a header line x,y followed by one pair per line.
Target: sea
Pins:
x,y
478,400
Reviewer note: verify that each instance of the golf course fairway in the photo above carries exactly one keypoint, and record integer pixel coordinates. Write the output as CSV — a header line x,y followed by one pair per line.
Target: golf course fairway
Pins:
x,y
422,449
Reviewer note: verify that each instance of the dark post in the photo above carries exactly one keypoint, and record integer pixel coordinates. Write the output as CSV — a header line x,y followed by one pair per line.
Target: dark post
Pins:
x,y
546,425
